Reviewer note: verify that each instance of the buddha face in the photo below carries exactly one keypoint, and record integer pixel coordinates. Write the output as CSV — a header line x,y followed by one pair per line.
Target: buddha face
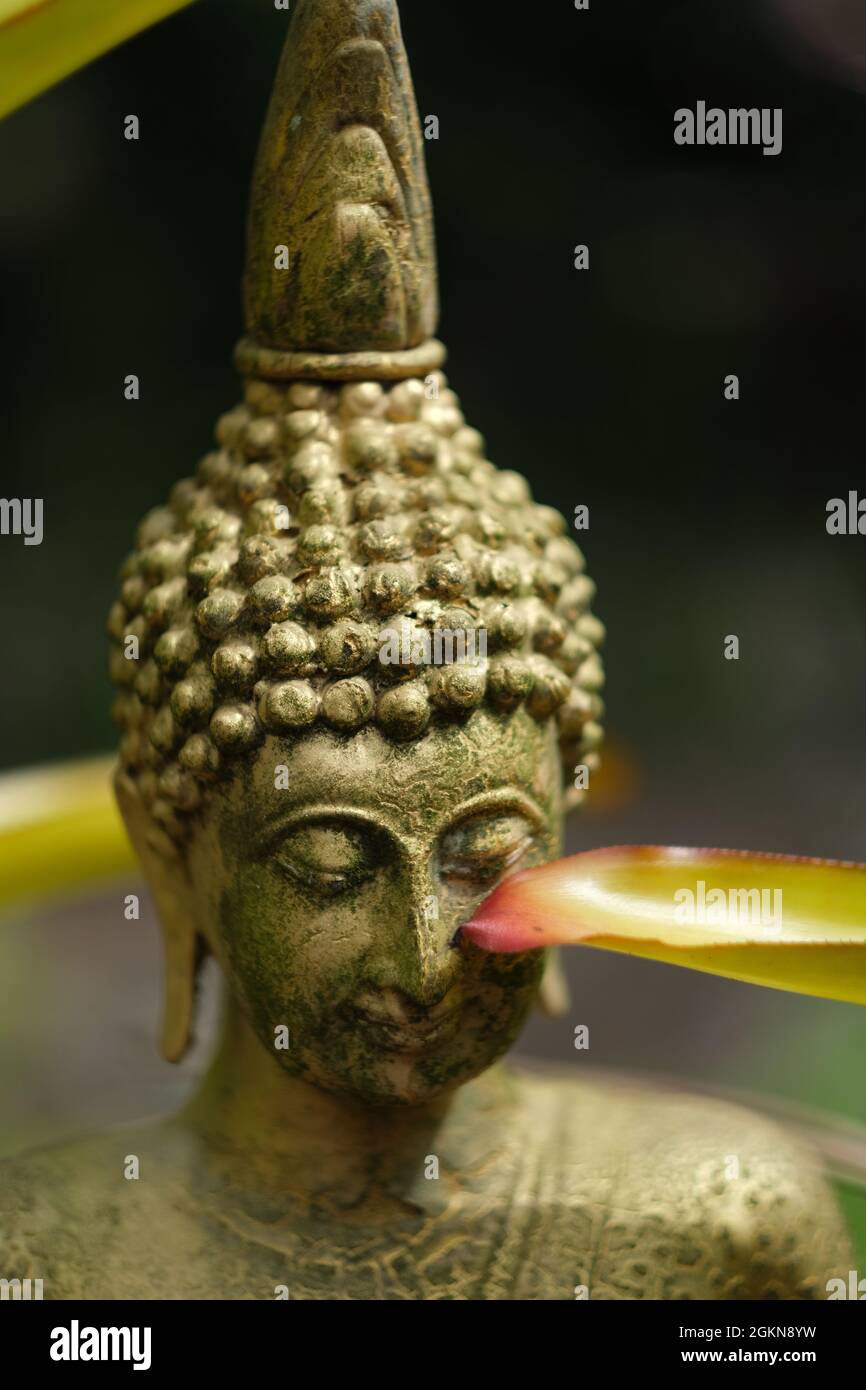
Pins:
x,y
331,877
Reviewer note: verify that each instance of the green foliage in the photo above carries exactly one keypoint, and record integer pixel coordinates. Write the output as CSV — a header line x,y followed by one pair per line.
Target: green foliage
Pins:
x,y
43,41
852,1196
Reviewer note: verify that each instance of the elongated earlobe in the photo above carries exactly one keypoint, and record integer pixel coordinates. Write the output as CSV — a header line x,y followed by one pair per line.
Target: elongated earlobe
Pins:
x,y
182,960
554,996
165,870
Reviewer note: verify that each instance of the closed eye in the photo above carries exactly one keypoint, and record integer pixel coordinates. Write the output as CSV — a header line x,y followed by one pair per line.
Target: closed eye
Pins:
x,y
325,885
327,859
484,848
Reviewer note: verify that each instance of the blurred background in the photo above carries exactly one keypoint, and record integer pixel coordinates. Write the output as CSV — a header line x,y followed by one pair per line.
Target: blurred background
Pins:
x,y
707,517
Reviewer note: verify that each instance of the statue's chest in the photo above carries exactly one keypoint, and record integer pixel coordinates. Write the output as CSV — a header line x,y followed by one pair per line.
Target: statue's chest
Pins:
x,y
465,1254
515,1234
561,1213
547,1224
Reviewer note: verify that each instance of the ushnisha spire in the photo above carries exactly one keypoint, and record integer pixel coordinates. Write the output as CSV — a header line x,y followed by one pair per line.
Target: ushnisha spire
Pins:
x,y
348,513
340,184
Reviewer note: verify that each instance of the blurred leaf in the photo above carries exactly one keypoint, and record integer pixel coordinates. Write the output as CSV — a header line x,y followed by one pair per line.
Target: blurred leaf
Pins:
x,y
43,41
657,901
59,830
841,1142
852,1199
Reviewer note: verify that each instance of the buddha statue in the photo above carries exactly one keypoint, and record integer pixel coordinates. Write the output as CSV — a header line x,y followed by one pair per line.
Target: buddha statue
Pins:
x,y
352,660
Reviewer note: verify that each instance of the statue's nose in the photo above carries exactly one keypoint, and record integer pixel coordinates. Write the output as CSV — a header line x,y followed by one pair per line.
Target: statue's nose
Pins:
x,y
436,961
421,961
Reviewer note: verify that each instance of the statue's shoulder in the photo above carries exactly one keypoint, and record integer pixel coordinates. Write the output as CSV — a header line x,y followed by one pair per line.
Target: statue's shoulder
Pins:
x,y
39,1218
676,1195
71,1213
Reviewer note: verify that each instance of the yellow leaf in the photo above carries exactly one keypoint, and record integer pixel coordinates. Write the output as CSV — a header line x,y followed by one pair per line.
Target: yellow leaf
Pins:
x,y
59,830
43,41
770,919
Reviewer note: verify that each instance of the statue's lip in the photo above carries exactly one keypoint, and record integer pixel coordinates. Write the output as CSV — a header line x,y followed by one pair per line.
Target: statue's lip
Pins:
x,y
405,1035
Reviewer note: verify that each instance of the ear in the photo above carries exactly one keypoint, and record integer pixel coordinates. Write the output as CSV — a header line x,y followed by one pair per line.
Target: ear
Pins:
x,y
572,799
554,996
166,873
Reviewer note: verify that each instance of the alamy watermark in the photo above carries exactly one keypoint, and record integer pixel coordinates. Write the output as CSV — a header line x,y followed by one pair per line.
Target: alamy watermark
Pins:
x,y
736,126
22,516
854,1288
20,1290
757,907
407,645
77,1343
846,516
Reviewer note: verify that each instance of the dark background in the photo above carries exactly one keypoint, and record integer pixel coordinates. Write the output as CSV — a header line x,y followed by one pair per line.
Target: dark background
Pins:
x,y
605,388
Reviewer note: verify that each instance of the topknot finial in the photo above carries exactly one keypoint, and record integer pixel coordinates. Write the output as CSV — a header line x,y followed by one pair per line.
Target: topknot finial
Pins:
x,y
340,183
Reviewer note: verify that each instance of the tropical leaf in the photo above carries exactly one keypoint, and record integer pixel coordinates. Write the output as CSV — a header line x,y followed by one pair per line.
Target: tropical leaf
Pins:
x,y
43,41
59,830
770,919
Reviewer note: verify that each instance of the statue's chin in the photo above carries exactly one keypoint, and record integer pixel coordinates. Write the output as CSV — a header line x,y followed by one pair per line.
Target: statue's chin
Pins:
x,y
397,1079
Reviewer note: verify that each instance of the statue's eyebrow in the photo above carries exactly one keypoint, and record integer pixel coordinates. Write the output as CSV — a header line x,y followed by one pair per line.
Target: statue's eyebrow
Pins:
x,y
498,800
315,813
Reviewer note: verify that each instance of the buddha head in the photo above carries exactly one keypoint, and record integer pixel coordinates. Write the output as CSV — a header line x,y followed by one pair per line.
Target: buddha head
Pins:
x,y
352,656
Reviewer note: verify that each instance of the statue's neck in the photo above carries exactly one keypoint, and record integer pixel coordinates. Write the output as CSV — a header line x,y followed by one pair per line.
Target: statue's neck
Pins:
x,y
273,1131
